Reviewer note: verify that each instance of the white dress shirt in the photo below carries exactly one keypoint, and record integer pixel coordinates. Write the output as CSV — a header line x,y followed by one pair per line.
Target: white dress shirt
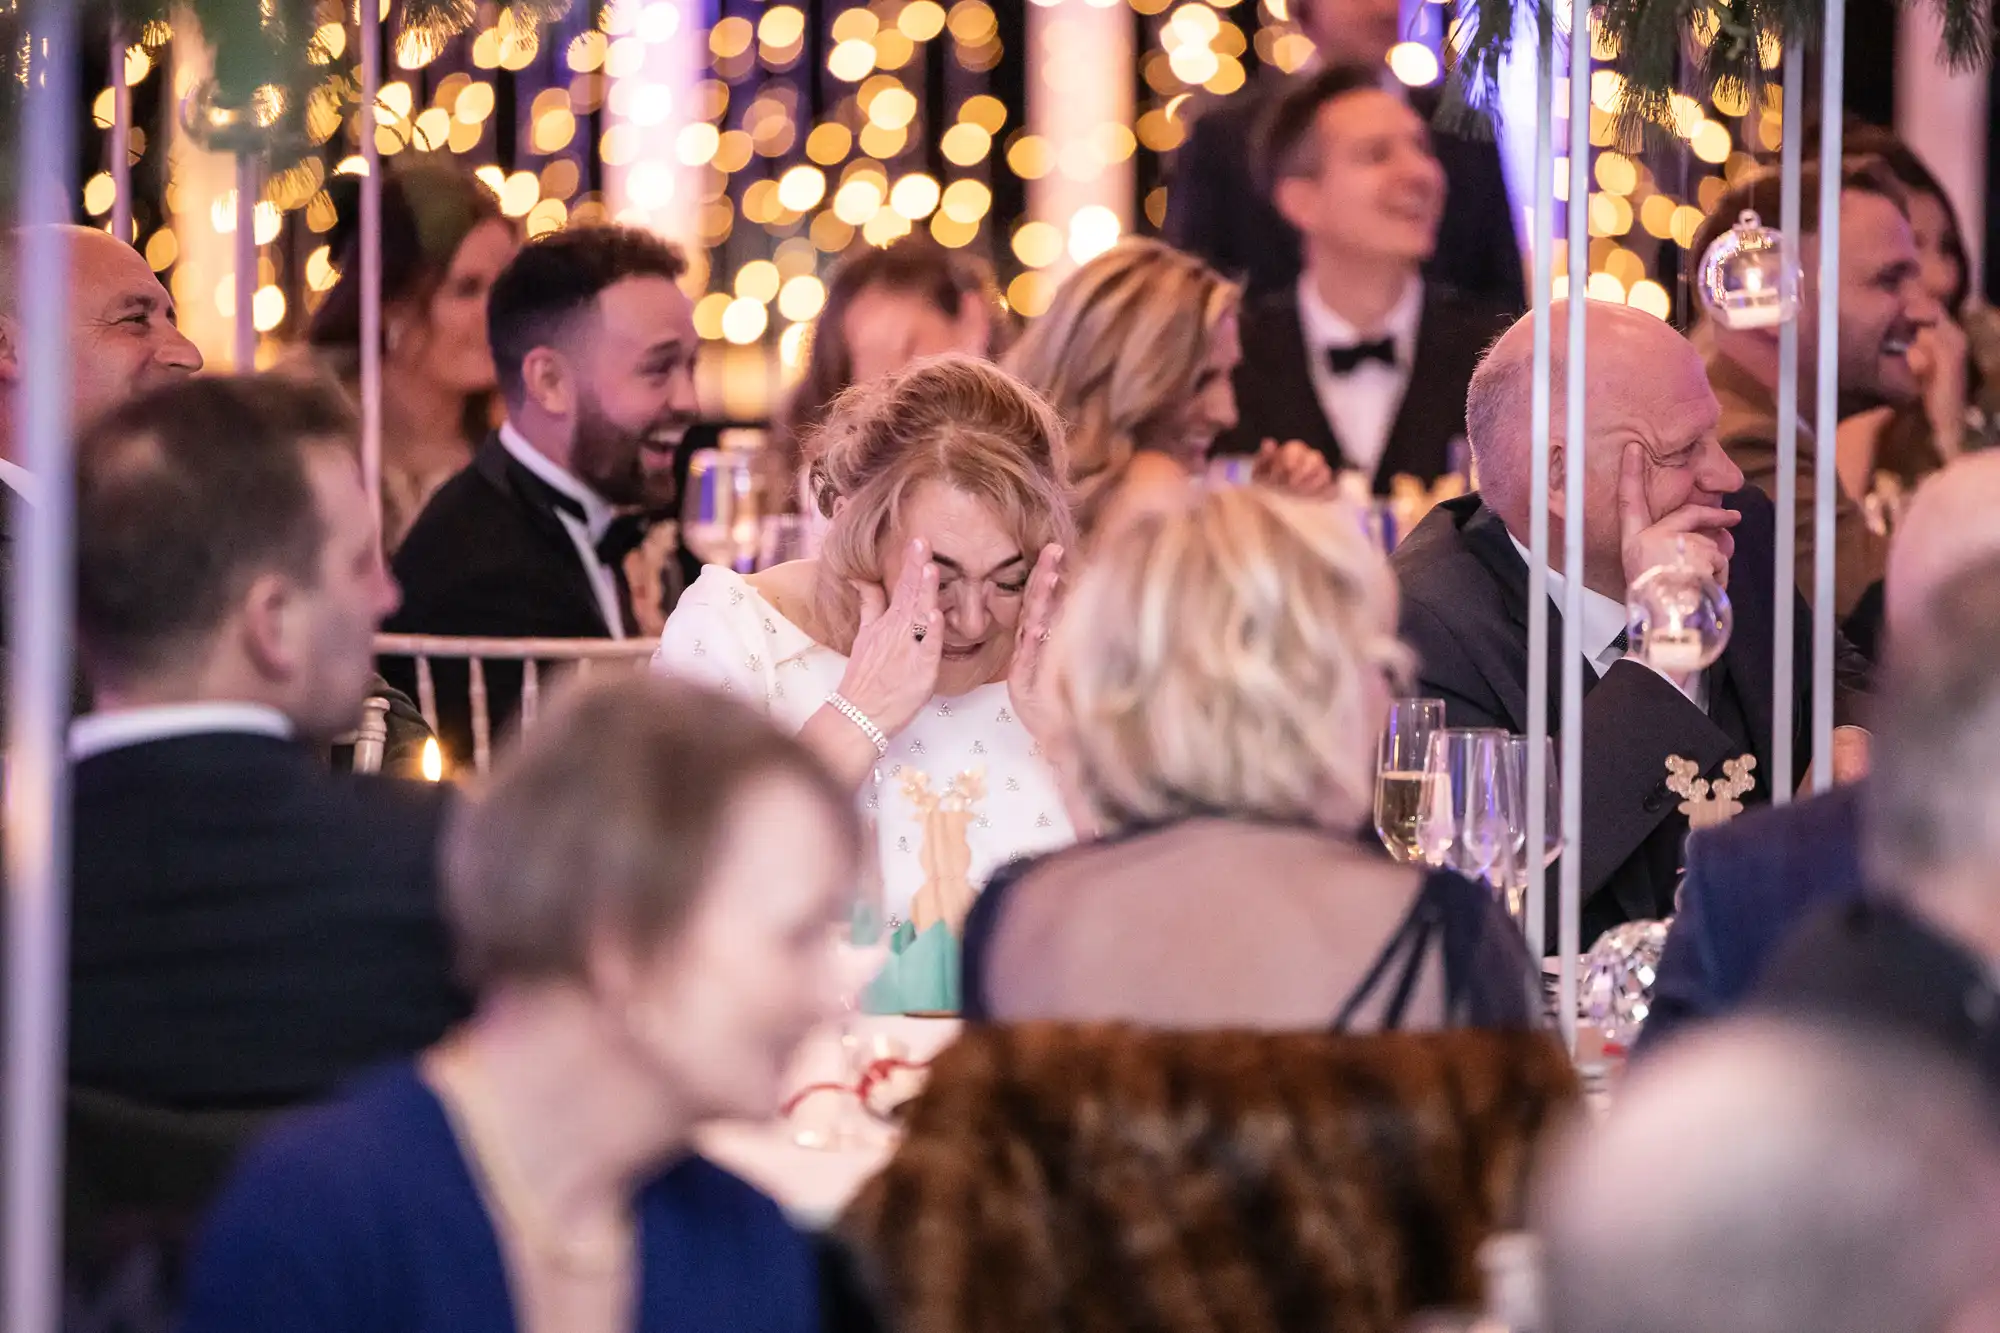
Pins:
x,y
584,532
95,733
1361,405
1603,621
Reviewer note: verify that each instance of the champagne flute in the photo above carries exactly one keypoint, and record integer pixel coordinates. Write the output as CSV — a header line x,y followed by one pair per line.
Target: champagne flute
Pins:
x,y
783,539
1465,824
723,508
1517,750
1401,754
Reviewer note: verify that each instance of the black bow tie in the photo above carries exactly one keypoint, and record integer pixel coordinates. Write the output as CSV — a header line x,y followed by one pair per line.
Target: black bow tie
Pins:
x,y
1345,360
625,535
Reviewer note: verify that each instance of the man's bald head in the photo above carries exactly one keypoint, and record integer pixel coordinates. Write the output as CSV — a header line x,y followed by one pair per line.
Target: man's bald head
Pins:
x,y
1813,1180
1952,522
1630,353
122,334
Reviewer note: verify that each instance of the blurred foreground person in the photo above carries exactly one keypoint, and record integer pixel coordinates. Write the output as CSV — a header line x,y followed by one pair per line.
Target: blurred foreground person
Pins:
x,y
1761,1178
1752,880
1136,354
1222,675
248,928
1919,953
907,654
642,899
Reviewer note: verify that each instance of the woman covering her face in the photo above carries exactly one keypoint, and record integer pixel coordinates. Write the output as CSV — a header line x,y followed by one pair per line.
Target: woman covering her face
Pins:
x,y
907,654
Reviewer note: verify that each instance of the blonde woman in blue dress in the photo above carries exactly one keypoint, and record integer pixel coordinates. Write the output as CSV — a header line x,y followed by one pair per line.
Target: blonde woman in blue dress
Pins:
x,y
908,653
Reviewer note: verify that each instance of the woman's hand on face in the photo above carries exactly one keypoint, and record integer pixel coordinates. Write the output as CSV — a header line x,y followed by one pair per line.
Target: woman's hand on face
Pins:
x,y
1027,685
1938,359
1293,466
893,669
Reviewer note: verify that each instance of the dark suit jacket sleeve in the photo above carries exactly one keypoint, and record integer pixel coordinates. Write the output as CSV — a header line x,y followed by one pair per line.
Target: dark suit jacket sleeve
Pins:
x,y
1210,170
1688,987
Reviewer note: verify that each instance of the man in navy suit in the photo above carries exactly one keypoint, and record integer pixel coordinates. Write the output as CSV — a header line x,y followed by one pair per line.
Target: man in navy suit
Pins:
x,y
1750,882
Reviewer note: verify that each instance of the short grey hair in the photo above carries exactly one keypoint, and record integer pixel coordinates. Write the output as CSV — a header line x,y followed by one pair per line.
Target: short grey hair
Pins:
x,y
1933,800
1499,406
1765,1178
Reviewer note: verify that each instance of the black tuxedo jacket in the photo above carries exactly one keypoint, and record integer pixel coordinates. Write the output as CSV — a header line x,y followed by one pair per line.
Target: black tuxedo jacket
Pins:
x,y
1216,210
1465,612
249,928
488,556
1275,398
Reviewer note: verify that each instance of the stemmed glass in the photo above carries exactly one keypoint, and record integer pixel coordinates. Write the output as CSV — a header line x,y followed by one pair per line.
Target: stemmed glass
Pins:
x,y
783,539
1466,823
1517,751
858,940
723,508
1400,757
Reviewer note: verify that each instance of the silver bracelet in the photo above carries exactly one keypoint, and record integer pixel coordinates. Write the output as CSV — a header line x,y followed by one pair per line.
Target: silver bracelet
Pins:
x,y
875,734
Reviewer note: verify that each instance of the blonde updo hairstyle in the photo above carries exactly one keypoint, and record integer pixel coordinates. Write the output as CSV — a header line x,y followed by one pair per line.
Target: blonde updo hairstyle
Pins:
x,y
1220,660
1118,352
956,420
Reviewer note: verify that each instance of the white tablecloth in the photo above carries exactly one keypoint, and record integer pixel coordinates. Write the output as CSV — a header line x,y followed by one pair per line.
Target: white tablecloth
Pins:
x,y
814,1185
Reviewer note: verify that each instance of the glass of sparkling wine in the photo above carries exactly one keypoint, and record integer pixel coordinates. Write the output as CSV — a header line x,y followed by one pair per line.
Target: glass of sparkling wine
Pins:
x,y
1517,749
1399,774
723,508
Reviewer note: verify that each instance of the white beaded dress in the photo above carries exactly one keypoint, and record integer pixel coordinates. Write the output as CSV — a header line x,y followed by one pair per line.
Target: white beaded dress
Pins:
x,y
964,777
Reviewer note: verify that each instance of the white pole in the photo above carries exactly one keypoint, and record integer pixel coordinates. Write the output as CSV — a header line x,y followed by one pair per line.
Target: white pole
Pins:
x,y
1826,421
37,796
246,264
371,257
1570,908
1542,246
121,139
1786,576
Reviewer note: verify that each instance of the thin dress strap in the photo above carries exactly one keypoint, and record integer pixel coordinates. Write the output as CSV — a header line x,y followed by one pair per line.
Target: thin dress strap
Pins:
x,y
1410,945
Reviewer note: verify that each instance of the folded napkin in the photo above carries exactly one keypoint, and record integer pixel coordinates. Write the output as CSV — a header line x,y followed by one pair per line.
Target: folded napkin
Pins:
x,y
921,976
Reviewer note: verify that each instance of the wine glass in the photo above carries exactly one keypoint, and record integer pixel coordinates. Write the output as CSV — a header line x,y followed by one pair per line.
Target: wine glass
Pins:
x,y
783,539
1404,748
1517,750
723,508
1467,822
858,941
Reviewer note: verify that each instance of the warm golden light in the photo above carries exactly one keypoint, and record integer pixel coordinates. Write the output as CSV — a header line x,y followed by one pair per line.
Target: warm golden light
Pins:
x,y
1414,64
433,760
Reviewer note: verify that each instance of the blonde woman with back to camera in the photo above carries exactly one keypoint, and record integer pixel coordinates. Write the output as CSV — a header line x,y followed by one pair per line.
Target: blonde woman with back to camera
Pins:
x,y
1221,674
911,647
1136,353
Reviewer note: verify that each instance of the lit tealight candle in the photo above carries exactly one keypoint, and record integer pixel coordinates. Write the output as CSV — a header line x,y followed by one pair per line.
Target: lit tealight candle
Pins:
x,y
433,761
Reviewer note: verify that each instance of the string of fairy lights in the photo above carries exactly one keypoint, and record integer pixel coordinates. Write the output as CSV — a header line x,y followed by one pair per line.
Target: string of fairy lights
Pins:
x,y
813,128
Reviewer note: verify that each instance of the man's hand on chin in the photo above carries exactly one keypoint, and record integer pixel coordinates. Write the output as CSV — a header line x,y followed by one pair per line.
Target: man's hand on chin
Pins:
x,y
1850,758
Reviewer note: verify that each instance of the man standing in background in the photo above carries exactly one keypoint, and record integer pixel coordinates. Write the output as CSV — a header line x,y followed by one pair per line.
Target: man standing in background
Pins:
x,y
1215,209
